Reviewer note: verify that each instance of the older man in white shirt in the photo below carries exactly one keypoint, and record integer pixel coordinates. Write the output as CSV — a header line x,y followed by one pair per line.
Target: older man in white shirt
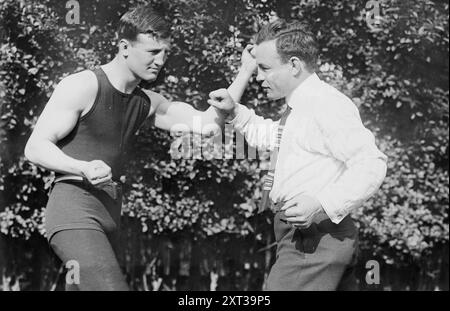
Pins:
x,y
325,162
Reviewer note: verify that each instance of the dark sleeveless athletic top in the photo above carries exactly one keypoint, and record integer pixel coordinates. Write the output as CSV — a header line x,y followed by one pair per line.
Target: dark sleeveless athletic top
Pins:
x,y
105,132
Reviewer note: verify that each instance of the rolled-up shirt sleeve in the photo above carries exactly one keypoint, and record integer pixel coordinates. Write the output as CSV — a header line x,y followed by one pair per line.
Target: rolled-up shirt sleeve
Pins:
x,y
259,132
346,139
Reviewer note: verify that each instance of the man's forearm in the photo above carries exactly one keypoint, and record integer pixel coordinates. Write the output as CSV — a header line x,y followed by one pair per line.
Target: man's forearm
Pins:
x,y
212,120
46,154
358,183
237,88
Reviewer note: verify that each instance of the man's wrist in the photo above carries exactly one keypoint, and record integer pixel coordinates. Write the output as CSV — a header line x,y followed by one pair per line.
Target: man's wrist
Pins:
x,y
232,114
80,167
246,72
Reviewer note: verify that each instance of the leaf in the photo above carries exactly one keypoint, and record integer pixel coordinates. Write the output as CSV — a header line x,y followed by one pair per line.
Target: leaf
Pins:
x,y
33,71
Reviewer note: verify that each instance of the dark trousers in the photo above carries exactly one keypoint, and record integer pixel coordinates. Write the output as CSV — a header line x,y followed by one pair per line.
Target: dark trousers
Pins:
x,y
321,257
82,225
93,252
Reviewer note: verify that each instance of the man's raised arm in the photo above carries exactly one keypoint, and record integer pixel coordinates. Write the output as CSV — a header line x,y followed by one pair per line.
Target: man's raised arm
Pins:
x,y
180,116
258,131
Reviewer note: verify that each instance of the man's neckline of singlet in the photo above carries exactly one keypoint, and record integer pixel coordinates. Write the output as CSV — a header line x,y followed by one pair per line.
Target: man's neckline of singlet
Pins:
x,y
114,88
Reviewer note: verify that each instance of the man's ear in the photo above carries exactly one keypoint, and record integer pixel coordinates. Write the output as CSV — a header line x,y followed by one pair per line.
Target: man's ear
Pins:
x,y
123,47
297,66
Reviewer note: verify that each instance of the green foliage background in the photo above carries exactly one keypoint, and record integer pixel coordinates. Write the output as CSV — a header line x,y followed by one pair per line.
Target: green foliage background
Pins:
x,y
185,220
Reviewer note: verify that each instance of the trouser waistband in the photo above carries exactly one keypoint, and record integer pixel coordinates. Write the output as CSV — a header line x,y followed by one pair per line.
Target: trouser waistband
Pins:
x,y
277,209
321,224
113,188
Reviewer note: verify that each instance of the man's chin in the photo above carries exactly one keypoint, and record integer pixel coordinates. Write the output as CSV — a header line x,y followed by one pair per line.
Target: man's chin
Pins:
x,y
270,95
149,77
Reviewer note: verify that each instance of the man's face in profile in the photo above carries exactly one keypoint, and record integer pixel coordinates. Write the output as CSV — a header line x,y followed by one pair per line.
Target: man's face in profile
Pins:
x,y
147,55
272,72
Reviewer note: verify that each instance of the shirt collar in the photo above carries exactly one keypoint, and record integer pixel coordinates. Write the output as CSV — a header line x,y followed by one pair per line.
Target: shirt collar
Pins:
x,y
303,88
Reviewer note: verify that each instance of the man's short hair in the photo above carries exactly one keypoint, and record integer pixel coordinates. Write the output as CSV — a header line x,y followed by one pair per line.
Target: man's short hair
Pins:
x,y
142,19
292,39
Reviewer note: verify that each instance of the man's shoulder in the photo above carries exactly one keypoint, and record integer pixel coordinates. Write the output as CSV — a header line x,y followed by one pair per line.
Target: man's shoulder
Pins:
x,y
79,90
85,81
155,97
329,99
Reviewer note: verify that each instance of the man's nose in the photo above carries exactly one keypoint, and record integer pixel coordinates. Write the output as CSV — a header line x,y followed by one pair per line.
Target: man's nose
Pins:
x,y
159,59
259,76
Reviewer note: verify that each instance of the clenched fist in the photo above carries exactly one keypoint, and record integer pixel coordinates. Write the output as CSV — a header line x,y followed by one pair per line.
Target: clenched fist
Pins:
x,y
222,100
97,172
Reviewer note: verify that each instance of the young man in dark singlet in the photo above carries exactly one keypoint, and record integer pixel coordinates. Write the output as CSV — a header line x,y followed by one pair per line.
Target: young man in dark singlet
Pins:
x,y
82,134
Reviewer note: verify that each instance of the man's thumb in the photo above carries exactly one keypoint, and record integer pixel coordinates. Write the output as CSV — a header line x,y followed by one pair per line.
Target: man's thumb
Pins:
x,y
214,103
218,94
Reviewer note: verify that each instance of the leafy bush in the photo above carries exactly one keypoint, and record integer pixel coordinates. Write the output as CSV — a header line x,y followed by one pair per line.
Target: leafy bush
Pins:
x,y
397,74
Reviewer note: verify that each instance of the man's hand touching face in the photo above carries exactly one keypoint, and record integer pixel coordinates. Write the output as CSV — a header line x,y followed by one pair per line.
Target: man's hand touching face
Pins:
x,y
248,61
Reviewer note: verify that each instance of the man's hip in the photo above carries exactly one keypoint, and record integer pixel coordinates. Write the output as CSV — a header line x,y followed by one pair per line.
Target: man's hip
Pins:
x,y
316,258
74,204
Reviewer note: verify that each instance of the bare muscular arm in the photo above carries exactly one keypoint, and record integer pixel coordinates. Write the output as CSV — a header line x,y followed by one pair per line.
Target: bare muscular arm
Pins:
x,y
73,96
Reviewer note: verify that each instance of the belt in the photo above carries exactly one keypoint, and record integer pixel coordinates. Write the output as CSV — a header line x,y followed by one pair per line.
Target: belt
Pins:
x,y
112,188
68,177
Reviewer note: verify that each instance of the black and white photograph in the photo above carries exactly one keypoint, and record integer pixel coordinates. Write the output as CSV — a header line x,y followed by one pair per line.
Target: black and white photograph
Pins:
x,y
236,146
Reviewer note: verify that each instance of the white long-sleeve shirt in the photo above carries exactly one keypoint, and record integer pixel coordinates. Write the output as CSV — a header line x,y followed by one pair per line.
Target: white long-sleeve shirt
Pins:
x,y
325,151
